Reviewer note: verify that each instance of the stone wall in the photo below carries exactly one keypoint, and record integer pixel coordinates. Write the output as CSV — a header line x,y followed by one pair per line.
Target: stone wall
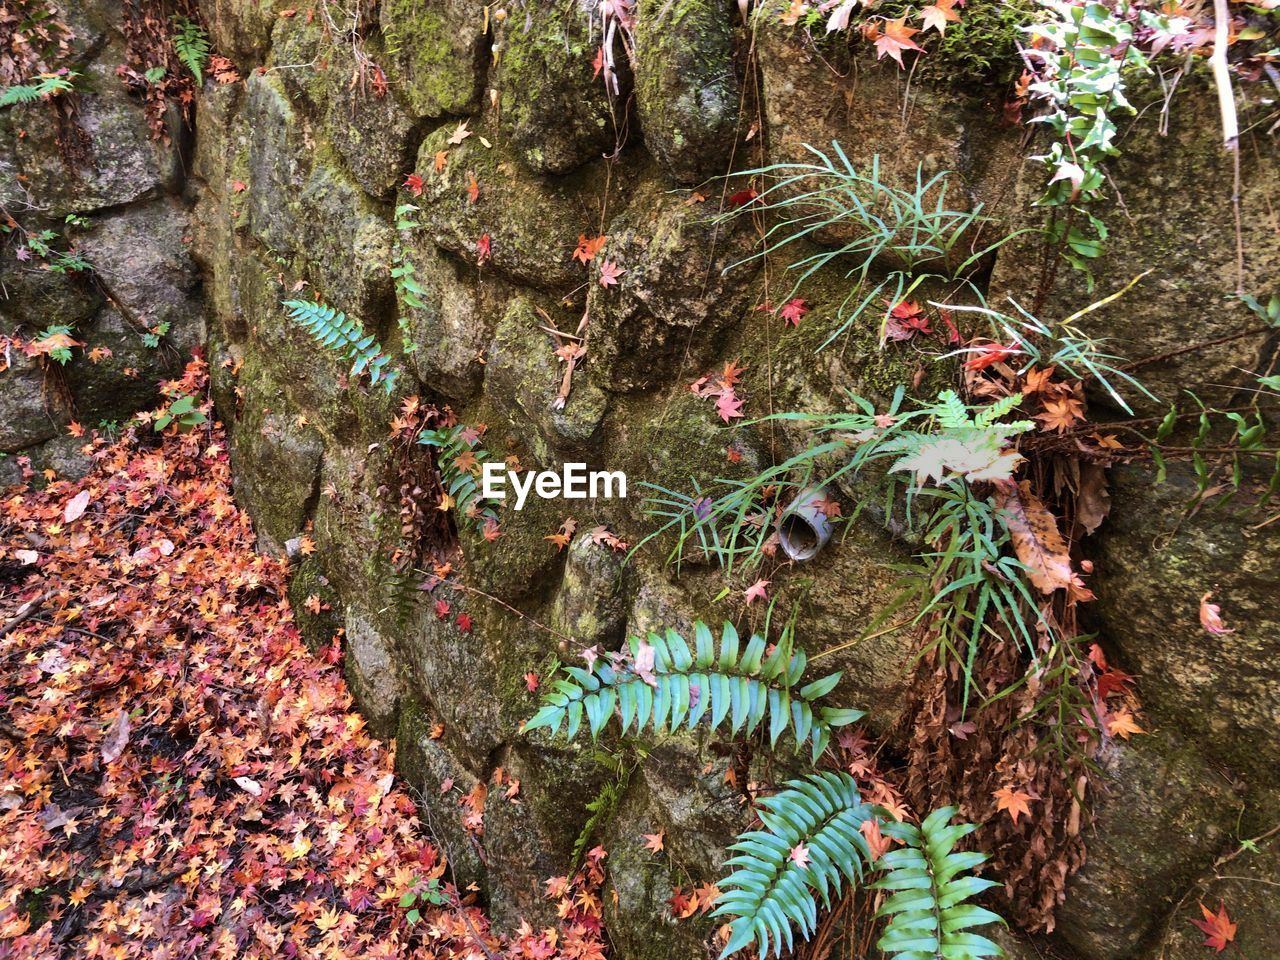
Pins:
x,y
136,237
296,173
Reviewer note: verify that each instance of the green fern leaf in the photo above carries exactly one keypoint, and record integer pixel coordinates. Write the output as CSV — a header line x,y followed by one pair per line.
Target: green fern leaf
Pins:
x,y
774,888
335,331
192,45
449,443
929,918
684,686
45,85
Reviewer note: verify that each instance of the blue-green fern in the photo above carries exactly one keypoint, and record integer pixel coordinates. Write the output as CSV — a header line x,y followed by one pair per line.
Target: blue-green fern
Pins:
x,y
812,845
772,888
458,472
929,916
334,330
684,686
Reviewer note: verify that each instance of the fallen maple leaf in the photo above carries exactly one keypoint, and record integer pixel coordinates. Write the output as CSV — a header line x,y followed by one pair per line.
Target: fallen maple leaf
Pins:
x,y
473,190
239,186
117,738
1121,724
799,855
609,273
531,682
76,507
895,39
442,157
463,620
756,591
413,183
588,247
1211,616
653,841
484,249
1218,927
1013,801
644,663
1061,414
938,15
877,842
459,134
728,406
793,310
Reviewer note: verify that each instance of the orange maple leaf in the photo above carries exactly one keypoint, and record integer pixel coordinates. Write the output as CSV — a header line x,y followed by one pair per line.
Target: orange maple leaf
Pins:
x,y
588,247
1121,724
1015,802
1061,414
653,841
895,39
939,15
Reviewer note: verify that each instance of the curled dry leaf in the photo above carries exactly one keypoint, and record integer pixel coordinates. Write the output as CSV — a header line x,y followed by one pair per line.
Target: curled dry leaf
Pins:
x,y
117,738
1036,539
1211,616
76,507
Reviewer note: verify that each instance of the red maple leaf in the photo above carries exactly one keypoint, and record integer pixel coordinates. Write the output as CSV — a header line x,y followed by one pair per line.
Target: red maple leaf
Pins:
x,y
906,319
484,249
442,609
464,622
983,357
413,183
793,310
742,198
1218,927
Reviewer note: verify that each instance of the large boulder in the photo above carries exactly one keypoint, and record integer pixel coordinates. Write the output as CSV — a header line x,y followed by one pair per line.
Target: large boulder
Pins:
x,y
127,164
674,297
1156,563
555,112
1170,220
687,90
436,53
1161,818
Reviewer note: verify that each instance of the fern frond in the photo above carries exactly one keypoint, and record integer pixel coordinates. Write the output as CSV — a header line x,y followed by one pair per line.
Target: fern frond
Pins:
x,y
685,686
335,331
192,45
930,883
458,471
774,885
45,85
